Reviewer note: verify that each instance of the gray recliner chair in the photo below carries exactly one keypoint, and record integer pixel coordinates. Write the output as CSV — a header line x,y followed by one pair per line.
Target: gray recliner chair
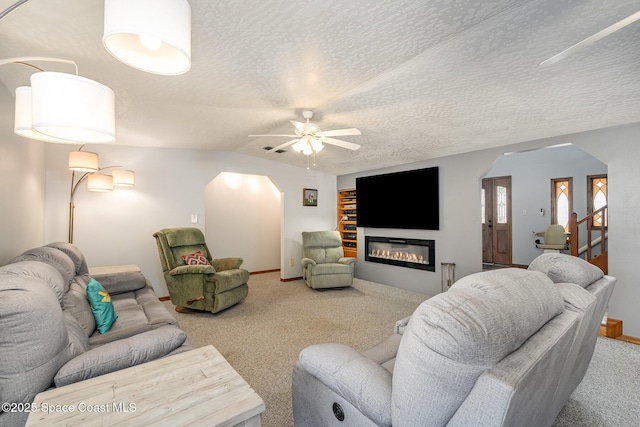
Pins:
x,y
324,264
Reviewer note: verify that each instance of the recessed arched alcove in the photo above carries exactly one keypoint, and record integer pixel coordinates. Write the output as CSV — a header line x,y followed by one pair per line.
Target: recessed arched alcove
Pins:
x,y
531,172
245,212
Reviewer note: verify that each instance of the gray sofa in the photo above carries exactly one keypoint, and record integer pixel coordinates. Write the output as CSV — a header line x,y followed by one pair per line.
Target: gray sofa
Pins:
x,y
505,347
48,333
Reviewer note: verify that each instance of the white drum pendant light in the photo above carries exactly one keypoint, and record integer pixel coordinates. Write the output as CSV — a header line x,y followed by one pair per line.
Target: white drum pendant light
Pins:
x,y
72,108
150,35
23,118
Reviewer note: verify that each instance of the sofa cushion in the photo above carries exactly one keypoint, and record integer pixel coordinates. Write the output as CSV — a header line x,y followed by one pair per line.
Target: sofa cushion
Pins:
x,y
41,270
563,268
101,306
74,253
52,256
121,354
33,338
76,302
132,320
455,336
78,339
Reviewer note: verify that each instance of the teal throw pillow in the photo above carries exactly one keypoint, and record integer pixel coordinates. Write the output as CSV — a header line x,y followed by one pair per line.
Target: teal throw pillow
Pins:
x,y
101,306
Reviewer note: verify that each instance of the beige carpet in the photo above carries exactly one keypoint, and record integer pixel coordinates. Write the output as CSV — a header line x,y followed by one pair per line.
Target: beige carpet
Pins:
x,y
262,336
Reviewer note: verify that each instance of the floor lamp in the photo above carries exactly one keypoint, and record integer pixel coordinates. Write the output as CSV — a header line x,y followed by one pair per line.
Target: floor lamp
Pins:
x,y
86,163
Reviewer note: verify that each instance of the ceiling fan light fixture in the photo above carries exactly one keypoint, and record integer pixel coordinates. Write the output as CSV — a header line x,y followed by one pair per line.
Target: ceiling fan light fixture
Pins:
x,y
151,35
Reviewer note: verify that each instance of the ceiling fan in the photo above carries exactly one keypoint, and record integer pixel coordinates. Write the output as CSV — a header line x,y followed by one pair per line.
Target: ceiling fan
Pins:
x,y
592,39
309,139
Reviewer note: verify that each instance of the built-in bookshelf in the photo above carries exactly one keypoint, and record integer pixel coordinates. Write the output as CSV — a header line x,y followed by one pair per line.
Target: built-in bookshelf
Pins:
x,y
347,216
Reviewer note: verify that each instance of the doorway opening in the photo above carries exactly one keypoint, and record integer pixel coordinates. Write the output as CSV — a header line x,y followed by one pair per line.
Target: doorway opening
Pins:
x,y
245,212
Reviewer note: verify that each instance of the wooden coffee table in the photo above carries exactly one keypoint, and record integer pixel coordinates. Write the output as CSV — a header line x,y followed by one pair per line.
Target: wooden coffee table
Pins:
x,y
197,387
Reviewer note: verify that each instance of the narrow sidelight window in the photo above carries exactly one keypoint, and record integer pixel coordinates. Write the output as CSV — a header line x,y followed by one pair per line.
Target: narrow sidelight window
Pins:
x,y
597,197
561,201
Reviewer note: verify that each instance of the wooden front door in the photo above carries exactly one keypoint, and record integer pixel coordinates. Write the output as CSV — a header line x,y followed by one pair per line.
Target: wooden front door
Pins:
x,y
496,220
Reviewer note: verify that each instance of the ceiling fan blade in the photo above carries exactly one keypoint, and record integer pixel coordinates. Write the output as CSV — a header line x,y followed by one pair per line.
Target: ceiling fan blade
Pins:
x,y
340,143
592,39
281,146
290,136
340,132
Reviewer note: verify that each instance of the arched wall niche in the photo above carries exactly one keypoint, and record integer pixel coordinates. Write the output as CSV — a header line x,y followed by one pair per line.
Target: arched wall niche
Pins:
x,y
245,211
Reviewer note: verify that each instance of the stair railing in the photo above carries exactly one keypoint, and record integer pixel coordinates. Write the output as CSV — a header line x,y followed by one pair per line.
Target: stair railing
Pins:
x,y
599,260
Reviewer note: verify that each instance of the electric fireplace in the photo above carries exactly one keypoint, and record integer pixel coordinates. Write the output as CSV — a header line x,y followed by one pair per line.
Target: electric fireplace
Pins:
x,y
410,253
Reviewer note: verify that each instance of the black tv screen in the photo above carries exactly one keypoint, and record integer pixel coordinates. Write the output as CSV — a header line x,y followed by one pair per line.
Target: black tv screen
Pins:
x,y
407,200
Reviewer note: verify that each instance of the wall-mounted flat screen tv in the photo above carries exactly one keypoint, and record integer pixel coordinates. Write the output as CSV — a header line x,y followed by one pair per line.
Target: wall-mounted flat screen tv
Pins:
x,y
406,200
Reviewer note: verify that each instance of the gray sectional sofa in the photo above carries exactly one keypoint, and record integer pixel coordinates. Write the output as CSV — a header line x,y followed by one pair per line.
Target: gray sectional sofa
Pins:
x,y
500,348
48,335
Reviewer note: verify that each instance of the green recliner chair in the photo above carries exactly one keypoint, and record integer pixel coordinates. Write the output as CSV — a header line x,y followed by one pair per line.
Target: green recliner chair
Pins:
x,y
194,279
324,264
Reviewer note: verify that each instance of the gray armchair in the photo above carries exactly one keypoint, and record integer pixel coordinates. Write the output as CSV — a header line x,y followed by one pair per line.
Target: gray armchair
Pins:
x,y
324,264
214,286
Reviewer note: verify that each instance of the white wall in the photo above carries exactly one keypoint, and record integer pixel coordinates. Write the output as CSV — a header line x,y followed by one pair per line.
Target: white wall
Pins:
x,y
244,211
22,188
531,172
459,239
117,228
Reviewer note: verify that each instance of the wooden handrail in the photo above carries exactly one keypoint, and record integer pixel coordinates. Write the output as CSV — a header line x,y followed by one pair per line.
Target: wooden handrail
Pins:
x,y
573,237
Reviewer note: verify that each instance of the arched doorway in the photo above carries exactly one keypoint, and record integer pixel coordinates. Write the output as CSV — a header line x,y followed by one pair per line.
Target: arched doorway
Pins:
x,y
531,175
245,211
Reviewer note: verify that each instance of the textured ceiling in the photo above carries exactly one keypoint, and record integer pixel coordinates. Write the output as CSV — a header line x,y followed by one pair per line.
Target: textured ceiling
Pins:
x,y
420,79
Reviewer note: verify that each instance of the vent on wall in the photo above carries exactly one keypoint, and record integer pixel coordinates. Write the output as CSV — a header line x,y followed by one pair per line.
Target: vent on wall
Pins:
x,y
267,148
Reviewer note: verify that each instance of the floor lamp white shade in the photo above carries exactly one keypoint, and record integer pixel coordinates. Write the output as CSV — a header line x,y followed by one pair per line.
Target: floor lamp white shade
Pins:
x,y
99,182
150,35
123,178
72,108
83,161
23,118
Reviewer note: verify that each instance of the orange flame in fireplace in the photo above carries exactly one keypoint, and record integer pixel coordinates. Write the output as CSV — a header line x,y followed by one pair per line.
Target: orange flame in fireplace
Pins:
x,y
398,255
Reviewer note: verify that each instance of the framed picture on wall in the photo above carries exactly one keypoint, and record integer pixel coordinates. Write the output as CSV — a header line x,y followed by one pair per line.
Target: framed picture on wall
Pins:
x,y
309,197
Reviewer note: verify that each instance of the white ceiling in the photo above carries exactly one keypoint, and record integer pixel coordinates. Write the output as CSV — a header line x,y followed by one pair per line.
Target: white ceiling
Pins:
x,y
420,79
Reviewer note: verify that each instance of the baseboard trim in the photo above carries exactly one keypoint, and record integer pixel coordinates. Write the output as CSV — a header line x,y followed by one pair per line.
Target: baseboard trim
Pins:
x,y
613,329
265,271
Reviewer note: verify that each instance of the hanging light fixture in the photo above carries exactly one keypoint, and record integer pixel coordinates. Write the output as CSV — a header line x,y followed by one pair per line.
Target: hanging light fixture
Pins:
x,y
72,108
23,118
150,35
63,108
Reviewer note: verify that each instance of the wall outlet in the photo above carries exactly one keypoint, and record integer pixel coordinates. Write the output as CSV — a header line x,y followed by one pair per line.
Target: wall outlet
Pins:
x,y
292,262
194,219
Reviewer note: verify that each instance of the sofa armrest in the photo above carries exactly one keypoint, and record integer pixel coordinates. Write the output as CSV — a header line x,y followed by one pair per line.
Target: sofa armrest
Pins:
x,y
121,354
347,260
222,264
121,282
192,269
356,378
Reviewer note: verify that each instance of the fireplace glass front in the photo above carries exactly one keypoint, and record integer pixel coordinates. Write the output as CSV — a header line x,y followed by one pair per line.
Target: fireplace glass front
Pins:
x,y
410,253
